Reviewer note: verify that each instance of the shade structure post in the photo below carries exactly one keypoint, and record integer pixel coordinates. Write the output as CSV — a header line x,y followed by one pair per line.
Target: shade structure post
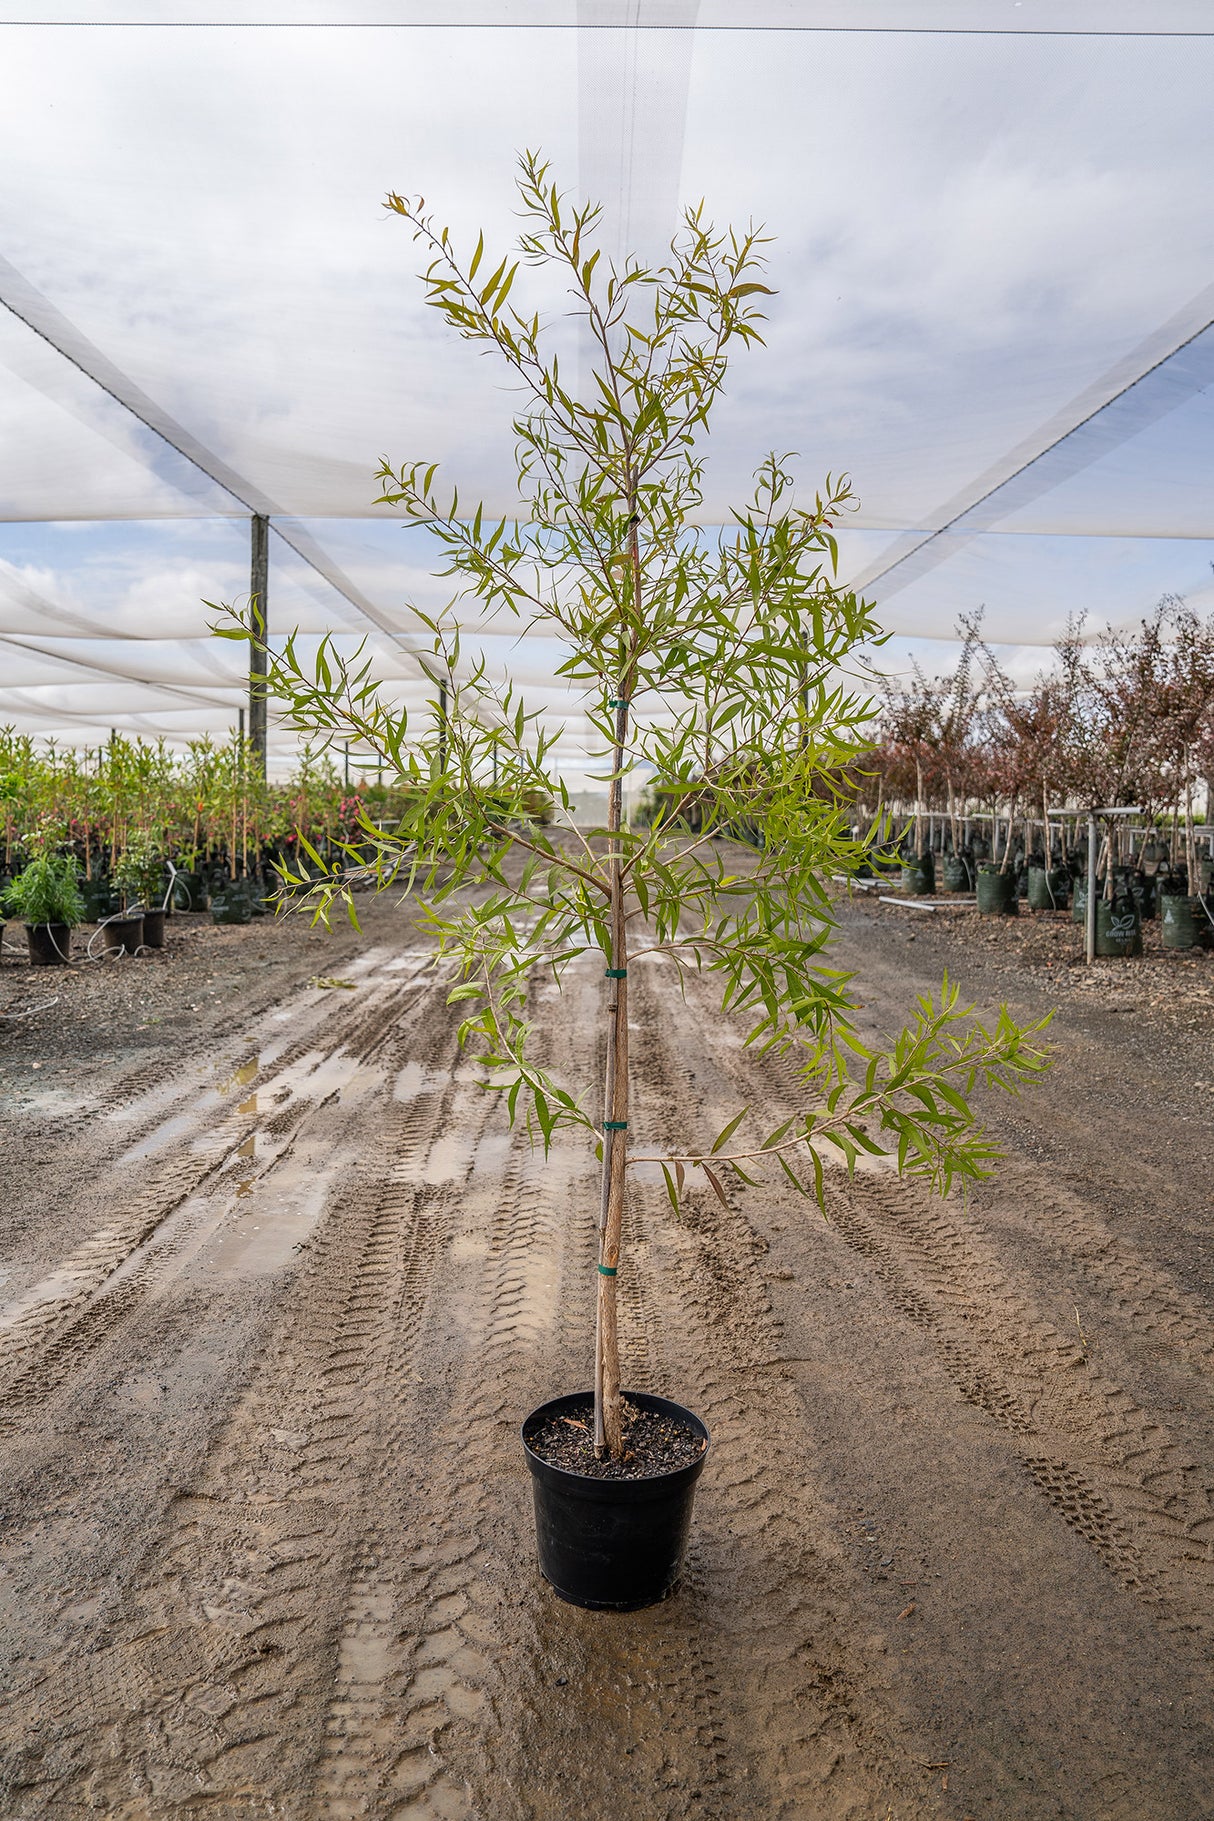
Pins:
x,y
259,576
1090,908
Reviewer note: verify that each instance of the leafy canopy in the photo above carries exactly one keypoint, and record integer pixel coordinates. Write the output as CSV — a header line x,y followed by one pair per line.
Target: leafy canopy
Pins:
x,y
715,660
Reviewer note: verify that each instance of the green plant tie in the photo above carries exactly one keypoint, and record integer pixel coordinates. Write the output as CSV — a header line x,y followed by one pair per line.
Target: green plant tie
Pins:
x,y
615,1125
607,1270
619,701
616,973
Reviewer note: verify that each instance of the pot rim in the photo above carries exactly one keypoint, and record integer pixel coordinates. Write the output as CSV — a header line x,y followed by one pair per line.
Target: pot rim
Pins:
x,y
588,1485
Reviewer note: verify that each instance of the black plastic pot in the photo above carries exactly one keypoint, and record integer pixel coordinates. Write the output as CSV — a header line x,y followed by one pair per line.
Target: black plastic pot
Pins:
x,y
50,944
153,928
122,935
612,1545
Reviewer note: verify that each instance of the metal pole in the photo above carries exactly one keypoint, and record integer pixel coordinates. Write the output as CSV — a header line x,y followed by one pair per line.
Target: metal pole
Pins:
x,y
442,725
258,623
1090,920
346,750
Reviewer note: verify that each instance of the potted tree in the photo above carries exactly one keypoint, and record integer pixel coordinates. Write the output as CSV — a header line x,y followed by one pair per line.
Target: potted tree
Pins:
x,y
140,874
46,896
707,659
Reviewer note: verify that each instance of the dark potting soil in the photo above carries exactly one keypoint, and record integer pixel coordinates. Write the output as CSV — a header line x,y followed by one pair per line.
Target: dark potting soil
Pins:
x,y
653,1444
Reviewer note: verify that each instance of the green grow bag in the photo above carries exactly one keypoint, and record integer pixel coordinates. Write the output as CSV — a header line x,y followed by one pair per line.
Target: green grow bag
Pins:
x,y
98,899
1048,890
1118,927
919,876
190,892
954,874
1182,920
235,909
996,892
1079,902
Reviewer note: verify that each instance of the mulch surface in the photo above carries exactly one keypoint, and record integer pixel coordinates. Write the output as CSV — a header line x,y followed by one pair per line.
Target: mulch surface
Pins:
x,y
653,1444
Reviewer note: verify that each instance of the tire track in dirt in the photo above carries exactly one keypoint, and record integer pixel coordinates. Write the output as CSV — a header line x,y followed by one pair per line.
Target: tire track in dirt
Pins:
x,y
1147,1303
228,1623
429,1714
1111,1471
612,1713
816,1730
139,1108
47,1336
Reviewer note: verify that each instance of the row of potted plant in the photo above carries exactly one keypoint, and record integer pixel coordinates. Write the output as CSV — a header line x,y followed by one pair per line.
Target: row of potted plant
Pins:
x,y
1118,720
130,905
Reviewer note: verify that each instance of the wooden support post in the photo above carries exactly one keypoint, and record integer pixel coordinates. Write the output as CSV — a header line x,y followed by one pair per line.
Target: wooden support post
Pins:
x,y
259,576
442,725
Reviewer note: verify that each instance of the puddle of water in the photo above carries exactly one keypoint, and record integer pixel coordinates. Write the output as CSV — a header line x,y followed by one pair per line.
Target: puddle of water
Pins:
x,y
366,963
248,1150
242,1076
265,1240
448,1160
169,1130
57,1103
492,1154
414,1079
178,1125
315,1076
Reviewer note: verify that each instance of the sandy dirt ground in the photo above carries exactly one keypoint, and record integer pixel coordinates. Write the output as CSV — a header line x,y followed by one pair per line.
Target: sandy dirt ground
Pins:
x,y
280,1285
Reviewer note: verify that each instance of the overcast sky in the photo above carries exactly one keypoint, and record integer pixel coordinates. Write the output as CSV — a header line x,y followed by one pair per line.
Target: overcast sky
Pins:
x,y
977,239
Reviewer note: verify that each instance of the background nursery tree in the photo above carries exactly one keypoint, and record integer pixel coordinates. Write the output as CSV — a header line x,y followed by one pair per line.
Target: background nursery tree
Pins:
x,y
708,658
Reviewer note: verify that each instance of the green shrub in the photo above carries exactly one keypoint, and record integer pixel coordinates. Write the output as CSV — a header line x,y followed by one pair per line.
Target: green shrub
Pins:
x,y
47,892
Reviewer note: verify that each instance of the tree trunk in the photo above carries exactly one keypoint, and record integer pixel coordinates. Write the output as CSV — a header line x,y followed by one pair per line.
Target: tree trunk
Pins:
x,y
1011,823
952,818
608,1418
608,1427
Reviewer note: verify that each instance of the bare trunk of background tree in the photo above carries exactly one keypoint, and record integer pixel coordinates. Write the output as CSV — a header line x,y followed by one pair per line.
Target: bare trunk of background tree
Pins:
x,y
952,819
1011,823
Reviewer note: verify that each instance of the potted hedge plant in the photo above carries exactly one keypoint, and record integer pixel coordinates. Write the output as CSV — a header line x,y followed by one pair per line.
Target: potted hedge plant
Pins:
x,y
141,875
46,896
707,658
